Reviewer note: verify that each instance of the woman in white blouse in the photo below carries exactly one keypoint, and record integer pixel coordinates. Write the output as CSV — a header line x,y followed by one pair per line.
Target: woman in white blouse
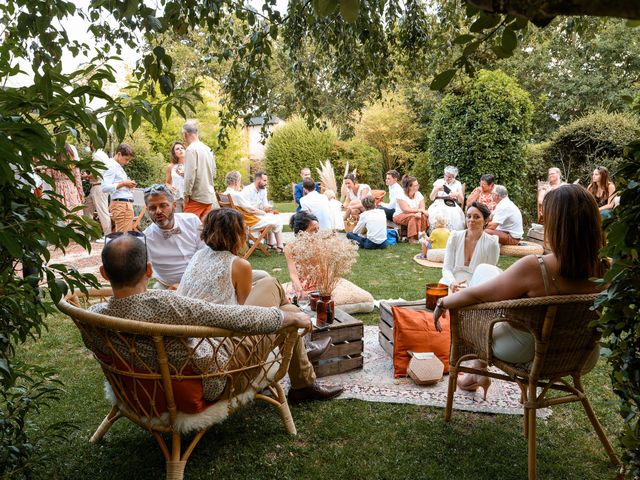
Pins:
x,y
447,196
355,193
410,209
471,254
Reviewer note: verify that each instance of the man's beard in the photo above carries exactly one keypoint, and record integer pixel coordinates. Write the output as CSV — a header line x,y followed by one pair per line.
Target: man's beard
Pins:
x,y
166,223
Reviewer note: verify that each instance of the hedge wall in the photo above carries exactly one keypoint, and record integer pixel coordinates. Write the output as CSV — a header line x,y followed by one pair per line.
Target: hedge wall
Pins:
x,y
291,148
484,129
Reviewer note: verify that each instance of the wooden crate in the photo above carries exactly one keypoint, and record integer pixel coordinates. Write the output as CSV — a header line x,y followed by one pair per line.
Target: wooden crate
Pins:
x,y
346,348
537,236
385,337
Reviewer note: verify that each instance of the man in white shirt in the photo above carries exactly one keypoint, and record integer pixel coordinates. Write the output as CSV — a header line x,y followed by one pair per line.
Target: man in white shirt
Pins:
x,y
97,200
199,172
256,193
316,203
298,191
395,189
172,238
506,220
116,183
374,221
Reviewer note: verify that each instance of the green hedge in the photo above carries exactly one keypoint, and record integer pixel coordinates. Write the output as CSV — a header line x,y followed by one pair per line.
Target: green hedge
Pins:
x,y
291,148
484,129
595,139
366,159
421,169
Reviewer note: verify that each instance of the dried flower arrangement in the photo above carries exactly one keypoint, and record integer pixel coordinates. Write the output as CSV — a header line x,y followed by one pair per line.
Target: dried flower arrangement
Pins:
x,y
322,259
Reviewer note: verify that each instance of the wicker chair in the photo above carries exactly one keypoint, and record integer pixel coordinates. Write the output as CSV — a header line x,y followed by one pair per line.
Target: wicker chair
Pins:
x,y
164,395
563,344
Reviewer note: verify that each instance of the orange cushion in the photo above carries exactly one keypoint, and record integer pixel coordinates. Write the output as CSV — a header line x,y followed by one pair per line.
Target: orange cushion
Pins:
x,y
414,330
378,195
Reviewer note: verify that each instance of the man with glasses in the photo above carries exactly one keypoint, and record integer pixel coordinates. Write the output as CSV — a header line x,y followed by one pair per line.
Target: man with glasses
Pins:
x,y
116,183
124,265
172,238
199,172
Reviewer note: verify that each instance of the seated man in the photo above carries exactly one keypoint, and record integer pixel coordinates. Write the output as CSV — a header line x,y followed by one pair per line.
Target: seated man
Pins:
x,y
298,192
256,193
554,180
395,190
374,221
506,220
253,217
124,264
317,204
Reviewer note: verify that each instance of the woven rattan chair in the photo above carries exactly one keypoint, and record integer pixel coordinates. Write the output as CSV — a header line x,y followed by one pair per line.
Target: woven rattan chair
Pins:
x,y
563,345
162,391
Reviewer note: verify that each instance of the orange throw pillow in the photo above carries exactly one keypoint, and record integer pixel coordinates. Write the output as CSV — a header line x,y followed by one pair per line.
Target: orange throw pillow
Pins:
x,y
414,330
378,196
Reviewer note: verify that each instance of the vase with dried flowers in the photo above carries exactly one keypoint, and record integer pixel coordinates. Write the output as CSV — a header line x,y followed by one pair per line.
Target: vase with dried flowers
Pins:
x,y
321,260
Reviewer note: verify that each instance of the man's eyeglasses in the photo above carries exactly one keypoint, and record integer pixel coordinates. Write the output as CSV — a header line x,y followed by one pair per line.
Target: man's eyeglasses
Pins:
x,y
133,233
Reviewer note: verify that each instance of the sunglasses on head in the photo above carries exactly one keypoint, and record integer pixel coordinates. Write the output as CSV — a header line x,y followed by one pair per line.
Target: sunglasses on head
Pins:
x,y
158,187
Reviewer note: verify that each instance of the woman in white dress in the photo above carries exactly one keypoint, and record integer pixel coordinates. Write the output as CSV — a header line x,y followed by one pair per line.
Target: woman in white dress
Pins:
x,y
174,173
337,221
471,255
447,196
355,193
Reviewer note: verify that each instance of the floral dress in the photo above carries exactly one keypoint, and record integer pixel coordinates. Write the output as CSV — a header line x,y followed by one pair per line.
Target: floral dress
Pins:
x,y
71,194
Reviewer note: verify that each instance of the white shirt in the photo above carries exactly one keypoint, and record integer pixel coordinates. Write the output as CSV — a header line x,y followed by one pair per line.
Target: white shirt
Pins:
x,y
412,202
508,217
112,177
170,257
395,190
454,270
455,186
318,204
375,221
358,195
239,200
256,197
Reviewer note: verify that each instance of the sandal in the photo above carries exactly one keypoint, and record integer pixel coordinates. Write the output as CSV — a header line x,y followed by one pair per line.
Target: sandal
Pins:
x,y
279,250
421,256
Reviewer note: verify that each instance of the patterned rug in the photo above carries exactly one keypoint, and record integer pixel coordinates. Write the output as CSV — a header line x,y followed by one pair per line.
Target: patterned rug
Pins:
x,y
375,383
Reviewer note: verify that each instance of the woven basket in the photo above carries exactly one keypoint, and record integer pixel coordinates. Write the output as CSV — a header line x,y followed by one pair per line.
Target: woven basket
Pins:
x,y
521,250
425,368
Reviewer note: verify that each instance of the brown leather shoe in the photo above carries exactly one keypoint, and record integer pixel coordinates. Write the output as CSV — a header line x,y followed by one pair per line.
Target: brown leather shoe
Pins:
x,y
318,348
313,392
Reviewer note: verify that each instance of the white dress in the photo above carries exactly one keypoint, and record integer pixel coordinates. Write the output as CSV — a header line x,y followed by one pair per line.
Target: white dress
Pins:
x,y
177,180
487,251
454,216
208,277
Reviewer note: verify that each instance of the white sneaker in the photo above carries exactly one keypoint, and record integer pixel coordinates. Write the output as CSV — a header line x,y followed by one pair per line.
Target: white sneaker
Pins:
x,y
100,240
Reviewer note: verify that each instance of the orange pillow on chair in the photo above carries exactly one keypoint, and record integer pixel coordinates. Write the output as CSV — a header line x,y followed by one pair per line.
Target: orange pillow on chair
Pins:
x,y
378,196
414,330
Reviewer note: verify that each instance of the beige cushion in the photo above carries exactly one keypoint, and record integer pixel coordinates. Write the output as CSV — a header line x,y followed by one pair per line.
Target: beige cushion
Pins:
x,y
436,255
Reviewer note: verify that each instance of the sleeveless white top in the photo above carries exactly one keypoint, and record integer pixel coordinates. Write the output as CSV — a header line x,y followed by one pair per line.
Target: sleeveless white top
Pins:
x,y
208,277
358,195
177,181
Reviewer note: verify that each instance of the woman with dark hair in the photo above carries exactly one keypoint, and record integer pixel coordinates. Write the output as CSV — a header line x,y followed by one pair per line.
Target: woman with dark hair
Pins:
x,y
602,189
470,254
484,193
174,173
410,209
355,192
573,220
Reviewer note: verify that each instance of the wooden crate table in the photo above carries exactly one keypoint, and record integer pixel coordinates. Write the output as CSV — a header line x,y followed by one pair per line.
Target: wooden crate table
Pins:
x,y
346,348
537,236
385,336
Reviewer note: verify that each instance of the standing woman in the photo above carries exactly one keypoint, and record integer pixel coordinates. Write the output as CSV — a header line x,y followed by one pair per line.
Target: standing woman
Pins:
x,y
603,190
175,173
71,194
410,209
355,193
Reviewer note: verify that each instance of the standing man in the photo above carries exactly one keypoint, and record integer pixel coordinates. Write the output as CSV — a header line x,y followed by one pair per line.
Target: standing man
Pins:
x,y
299,191
116,183
395,190
256,193
316,203
506,220
199,172
97,200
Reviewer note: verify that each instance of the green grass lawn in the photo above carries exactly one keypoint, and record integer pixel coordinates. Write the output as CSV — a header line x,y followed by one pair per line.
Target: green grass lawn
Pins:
x,y
347,439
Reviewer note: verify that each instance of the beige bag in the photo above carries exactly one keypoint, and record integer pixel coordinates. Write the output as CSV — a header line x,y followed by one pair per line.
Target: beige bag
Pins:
x,y
425,368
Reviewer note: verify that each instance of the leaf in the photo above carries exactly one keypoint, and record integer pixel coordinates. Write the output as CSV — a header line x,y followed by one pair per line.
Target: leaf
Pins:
x,y
326,7
349,9
464,38
442,79
509,40
469,49
633,23
166,85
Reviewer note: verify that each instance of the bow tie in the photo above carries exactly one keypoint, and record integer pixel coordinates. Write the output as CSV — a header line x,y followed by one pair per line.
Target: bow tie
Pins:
x,y
174,231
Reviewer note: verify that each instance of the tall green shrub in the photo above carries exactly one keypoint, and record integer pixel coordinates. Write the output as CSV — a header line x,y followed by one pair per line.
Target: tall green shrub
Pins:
x,y
365,159
595,139
291,148
484,129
